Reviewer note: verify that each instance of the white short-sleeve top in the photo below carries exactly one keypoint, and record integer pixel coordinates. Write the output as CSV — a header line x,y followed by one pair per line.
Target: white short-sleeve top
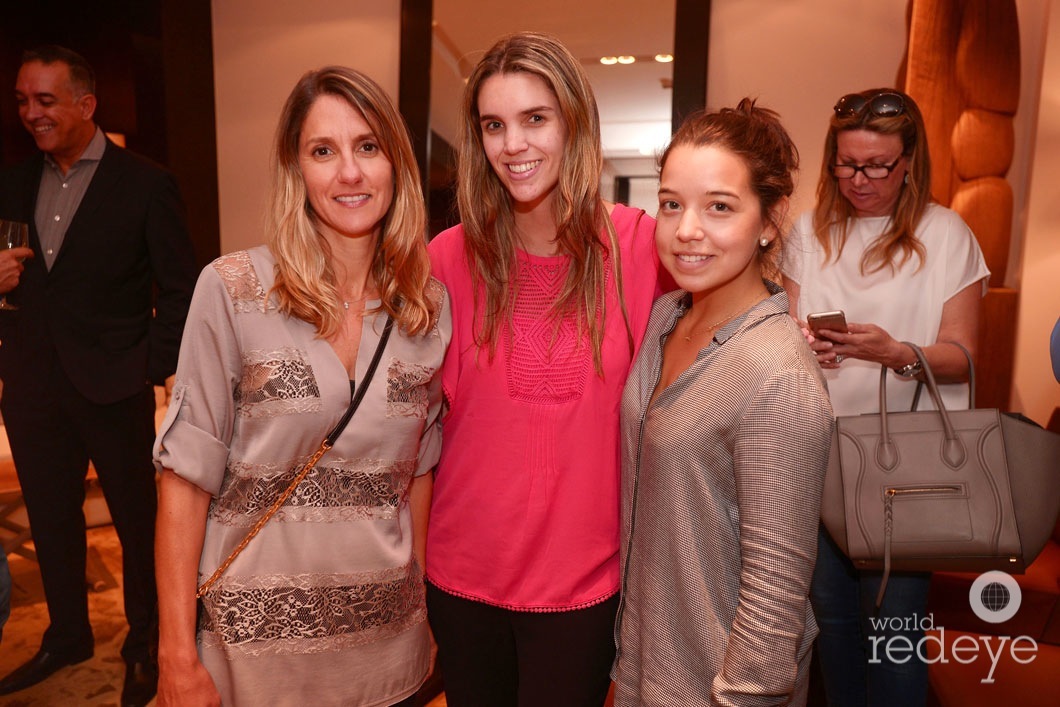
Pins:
x,y
906,302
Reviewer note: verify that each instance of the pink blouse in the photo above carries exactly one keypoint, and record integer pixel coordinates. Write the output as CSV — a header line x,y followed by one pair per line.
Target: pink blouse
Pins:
x,y
526,496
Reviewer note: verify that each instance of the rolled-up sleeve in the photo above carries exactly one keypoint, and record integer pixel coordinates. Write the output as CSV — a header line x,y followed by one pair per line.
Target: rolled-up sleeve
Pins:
x,y
193,440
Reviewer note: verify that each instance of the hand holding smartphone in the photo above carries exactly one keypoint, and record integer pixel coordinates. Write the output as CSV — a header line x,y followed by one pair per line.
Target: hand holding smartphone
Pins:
x,y
833,321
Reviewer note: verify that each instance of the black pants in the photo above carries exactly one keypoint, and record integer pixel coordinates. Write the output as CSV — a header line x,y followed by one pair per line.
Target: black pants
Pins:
x,y
54,431
492,657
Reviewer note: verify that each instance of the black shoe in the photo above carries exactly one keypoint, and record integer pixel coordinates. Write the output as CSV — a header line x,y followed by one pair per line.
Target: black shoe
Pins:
x,y
141,683
38,668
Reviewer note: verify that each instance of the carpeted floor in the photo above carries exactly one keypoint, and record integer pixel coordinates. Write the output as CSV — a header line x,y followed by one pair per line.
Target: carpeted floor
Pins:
x,y
96,682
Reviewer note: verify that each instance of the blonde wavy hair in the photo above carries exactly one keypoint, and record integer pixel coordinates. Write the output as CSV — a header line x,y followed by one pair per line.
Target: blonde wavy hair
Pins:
x,y
833,212
580,214
306,285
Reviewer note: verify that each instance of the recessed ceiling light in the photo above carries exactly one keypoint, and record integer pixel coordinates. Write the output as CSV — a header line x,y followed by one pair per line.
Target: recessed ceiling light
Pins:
x,y
664,58
626,59
608,60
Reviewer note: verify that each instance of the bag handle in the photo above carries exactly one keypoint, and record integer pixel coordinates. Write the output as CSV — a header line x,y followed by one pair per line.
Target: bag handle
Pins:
x,y
971,379
325,445
953,452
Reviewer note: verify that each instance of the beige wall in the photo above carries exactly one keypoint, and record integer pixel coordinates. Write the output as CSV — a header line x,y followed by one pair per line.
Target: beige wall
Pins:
x,y
797,57
260,50
1035,391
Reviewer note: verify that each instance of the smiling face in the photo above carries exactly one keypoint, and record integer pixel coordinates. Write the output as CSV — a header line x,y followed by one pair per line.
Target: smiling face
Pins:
x,y
709,224
871,197
523,134
348,179
59,120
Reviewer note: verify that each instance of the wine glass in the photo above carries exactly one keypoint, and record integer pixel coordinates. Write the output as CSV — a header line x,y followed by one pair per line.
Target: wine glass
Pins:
x,y
12,235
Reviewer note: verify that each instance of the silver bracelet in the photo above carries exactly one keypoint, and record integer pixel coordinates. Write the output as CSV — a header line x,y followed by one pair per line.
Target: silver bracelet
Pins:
x,y
910,370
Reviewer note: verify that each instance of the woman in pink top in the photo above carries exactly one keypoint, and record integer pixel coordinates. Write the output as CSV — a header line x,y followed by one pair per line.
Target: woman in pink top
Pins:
x,y
551,288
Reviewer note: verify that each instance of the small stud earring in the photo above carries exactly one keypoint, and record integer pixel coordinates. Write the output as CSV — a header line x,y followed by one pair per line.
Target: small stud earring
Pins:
x,y
764,242
905,180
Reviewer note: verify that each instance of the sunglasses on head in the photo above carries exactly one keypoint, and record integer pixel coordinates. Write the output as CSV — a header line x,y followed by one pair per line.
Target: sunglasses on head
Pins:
x,y
883,105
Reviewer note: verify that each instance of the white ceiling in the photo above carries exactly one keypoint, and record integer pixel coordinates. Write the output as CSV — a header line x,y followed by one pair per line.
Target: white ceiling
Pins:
x,y
634,105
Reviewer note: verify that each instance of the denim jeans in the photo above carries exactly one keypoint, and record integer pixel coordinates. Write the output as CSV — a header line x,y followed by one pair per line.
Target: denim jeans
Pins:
x,y
5,591
857,668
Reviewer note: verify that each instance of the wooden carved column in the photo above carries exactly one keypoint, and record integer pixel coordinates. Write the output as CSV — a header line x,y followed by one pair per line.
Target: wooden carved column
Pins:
x,y
963,69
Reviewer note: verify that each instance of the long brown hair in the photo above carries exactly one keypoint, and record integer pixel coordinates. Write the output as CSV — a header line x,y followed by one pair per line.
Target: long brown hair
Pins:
x,y
306,285
486,207
833,212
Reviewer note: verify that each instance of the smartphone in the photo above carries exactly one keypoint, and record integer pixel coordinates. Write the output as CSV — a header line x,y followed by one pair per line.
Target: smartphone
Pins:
x,y
833,321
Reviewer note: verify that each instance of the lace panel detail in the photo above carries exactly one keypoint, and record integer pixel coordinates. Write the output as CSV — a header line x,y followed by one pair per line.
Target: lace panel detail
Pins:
x,y
241,281
340,490
546,364
279,382
406,389
311,613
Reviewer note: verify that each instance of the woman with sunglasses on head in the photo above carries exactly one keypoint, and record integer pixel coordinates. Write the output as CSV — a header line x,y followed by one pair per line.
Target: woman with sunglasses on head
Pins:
x,y
902,269
551,290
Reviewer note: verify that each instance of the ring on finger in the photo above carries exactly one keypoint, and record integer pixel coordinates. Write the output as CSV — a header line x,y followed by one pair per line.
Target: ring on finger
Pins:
x,y
839,358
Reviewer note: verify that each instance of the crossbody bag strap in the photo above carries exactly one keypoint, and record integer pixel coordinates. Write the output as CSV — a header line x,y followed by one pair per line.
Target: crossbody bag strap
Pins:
x,y
328,443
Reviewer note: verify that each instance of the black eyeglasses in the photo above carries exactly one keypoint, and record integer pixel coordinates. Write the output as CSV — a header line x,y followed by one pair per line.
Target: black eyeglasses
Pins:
x,y
883,105
871,171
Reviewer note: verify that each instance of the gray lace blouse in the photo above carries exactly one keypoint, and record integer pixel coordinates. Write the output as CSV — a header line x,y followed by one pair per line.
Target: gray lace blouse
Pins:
x,y
325,606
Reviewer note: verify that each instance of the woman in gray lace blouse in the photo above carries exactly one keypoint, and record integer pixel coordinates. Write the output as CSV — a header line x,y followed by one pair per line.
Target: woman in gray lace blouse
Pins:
x,y
326,605
726,428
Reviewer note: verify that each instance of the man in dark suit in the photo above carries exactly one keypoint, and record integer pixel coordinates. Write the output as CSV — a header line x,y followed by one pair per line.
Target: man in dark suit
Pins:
x,y
102,296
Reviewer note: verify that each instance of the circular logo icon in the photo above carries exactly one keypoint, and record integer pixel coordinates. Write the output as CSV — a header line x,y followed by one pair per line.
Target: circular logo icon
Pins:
x,y
995,597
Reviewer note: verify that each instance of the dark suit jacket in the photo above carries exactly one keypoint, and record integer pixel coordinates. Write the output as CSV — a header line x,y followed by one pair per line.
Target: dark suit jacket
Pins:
x,y
114,303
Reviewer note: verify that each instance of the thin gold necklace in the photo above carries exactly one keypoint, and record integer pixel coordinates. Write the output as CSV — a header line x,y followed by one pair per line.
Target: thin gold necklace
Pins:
x,y
357,300
720,322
